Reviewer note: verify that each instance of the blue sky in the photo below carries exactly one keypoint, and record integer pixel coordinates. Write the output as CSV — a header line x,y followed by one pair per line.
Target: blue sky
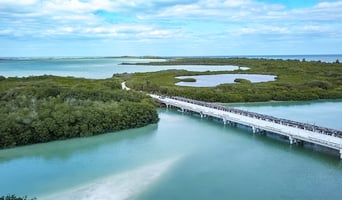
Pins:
x,y
169,27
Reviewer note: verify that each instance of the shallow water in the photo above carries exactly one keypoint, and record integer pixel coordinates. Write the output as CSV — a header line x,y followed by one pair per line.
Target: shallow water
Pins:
x,y
322,113
125,185
95,68
181,157
217,79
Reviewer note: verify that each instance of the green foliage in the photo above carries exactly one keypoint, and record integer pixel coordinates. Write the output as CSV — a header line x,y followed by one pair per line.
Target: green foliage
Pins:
x,y
241,80
47,108
296,80
188,80
14,197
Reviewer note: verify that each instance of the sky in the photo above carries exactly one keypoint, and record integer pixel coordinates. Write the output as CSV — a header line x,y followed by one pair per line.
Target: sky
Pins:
x,y
169,27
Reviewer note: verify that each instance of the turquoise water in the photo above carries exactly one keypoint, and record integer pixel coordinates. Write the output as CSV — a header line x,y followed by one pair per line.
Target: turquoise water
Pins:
x,y
95,68
217,79
322,113
181,157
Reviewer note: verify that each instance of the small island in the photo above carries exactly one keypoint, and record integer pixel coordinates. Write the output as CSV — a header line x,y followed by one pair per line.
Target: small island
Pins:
x,y
241,80
188,79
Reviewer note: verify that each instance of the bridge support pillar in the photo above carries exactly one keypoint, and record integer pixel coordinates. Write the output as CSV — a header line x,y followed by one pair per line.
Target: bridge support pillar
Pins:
x,y
340,153
256,130
291,139
224,121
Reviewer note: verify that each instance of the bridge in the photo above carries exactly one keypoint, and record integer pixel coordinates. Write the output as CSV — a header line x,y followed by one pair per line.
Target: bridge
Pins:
x,y
295,131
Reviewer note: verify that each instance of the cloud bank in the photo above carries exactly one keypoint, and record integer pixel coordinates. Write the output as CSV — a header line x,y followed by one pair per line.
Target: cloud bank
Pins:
x,y
148,27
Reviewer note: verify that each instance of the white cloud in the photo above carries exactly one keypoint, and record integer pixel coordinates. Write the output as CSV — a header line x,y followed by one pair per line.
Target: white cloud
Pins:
x,y
226,10
246,11
124,32
324,11
76,6
195,20
5,32
267,30
17,2
329,5
74,19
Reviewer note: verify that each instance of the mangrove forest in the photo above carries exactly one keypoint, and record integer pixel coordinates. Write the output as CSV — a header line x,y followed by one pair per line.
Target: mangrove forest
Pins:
x,y
295,80
47,108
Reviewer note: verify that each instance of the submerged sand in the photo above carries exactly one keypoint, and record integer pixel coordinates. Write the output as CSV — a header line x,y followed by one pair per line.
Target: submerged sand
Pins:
x,y
126,185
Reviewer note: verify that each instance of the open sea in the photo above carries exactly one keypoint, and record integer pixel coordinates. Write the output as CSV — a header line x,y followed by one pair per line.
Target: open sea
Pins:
x,y
98,67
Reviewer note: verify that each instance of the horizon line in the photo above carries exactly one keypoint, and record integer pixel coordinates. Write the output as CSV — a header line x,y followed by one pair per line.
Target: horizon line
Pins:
x,y
175,56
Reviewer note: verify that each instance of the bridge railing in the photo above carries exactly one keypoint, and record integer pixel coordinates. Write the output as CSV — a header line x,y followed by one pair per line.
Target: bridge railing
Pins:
x,y
286,122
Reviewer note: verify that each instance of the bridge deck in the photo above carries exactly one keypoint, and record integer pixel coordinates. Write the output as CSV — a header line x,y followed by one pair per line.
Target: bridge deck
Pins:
x,y
295,131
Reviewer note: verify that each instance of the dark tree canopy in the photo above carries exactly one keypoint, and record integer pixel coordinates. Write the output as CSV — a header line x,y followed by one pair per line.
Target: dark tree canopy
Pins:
x,y
14,197
48,108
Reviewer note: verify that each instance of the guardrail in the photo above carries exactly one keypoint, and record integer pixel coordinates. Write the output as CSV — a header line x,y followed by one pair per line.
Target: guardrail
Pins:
x,y
286,122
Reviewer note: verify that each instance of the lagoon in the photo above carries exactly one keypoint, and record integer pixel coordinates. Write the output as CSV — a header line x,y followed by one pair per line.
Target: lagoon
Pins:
x,y
217,79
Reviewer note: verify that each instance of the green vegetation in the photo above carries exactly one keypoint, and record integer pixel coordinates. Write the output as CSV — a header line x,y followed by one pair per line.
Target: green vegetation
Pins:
x,y
187,80
47,108
13,197
241,80
295,80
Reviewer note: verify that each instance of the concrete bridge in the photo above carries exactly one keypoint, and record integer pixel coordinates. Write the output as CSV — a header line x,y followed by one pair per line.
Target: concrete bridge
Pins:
x,y
295,131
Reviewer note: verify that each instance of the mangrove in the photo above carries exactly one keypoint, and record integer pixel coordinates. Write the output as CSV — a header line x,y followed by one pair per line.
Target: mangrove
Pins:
x,y
47,108
295,80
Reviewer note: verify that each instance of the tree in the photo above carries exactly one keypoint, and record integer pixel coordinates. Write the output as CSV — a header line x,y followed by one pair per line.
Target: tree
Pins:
x,y
14,197
43,109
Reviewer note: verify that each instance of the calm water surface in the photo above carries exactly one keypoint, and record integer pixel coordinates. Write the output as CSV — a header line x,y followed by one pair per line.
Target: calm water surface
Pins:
x,y
181,157
95,68
217,79
322,113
